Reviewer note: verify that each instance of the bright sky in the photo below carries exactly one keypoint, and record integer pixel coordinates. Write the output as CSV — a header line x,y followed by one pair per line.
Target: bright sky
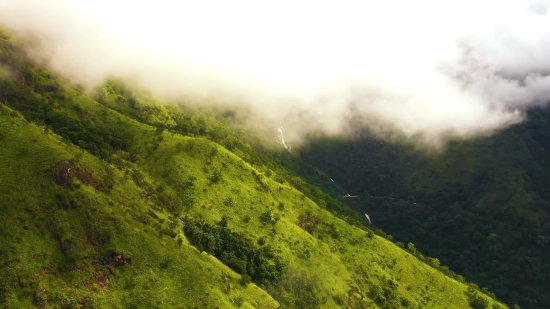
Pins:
x,y
283,56
300,44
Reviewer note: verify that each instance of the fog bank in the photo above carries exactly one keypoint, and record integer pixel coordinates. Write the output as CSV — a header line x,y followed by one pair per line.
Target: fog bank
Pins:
x,y
434,69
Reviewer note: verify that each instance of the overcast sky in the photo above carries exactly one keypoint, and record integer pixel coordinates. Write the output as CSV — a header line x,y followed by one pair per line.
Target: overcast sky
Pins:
x,y
429,68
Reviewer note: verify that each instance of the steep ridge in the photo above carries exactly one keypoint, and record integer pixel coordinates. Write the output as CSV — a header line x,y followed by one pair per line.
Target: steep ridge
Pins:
x,y
100,209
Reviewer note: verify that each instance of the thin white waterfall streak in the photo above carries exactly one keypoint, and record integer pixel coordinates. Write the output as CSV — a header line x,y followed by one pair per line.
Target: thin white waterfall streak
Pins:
x,y
368,218
281,138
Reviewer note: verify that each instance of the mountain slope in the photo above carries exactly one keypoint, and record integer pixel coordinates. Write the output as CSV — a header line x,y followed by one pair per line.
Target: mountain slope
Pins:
x,y
481,206
100,210
73,244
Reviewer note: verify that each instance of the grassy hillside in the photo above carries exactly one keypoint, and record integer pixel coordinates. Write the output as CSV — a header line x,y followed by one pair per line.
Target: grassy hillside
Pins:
x,y
101,209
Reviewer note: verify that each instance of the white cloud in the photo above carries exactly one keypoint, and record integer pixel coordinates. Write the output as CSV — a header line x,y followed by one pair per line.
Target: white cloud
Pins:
x,y
421,67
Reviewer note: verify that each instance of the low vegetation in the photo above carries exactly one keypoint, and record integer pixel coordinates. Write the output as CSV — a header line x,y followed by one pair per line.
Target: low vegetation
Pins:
x,y
117,201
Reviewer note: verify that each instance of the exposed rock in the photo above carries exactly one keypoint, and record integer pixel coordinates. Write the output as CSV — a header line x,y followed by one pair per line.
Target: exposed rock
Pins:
x,y
63,174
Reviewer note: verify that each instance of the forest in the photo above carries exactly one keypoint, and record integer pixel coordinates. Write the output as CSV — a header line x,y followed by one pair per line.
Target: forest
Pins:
x,y
481,206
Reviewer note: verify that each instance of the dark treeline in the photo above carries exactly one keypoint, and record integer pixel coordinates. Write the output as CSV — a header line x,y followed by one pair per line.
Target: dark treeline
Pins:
x,y
256,263
40,99
481,207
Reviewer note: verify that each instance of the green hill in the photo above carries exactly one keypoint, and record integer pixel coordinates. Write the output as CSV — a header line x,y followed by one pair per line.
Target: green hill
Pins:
x,y
112,200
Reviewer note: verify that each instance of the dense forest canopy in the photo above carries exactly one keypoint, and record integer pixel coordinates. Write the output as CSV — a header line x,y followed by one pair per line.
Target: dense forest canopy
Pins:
x,y
482,206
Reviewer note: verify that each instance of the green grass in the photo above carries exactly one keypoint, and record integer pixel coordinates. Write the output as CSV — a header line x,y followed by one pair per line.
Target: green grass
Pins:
x,y
346,268
112,236
162,272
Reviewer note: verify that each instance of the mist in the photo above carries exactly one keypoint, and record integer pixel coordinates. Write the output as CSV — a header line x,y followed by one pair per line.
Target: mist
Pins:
x,y
432,70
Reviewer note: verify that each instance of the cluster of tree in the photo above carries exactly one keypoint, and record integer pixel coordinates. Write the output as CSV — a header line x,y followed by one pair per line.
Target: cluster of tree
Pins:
x,y
255,263
297,289
44,110
482,206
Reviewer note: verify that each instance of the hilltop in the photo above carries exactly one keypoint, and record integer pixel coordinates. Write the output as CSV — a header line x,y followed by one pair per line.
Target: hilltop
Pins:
x,y
115,200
